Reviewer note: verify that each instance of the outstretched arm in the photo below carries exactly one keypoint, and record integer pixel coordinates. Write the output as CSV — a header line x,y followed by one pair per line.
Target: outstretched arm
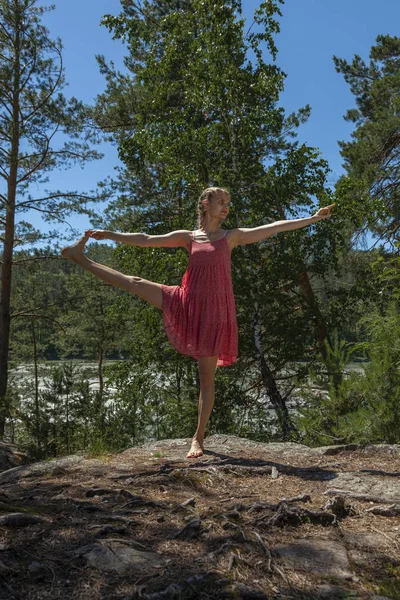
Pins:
x,y
257,234
168,240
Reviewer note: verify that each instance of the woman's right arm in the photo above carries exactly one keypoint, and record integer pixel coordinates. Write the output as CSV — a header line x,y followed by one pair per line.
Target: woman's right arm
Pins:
x,y
168,240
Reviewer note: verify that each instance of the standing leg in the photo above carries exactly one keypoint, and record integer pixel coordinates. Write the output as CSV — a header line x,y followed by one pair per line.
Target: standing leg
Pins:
x,y
148,290
207,365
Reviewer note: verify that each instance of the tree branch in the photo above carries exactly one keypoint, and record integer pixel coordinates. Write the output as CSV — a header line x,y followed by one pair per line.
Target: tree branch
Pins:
x,y
52,90
29,203
39,316
24,260
41,161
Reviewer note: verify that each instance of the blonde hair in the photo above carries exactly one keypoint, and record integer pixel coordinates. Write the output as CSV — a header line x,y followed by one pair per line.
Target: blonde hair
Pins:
x,y
201,209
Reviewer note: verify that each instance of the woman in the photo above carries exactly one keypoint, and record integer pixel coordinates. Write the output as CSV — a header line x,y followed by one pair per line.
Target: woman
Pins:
x,y
199,316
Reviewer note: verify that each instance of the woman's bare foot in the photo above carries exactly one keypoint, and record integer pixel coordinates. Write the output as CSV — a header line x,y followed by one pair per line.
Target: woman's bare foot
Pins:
x,y
73,252
196,450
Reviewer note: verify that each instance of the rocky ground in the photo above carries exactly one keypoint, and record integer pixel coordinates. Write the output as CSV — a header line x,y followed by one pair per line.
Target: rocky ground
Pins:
x,y
247,521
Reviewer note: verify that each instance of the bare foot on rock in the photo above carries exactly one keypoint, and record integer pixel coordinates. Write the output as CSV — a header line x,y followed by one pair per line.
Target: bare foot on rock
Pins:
x,y
75,250
196,450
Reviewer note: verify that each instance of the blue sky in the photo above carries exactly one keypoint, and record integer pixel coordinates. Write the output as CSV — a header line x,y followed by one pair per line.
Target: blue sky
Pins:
x,y
312,31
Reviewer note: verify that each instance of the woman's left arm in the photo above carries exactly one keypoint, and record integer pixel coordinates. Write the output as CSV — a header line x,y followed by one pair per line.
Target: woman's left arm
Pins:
x,y
257,234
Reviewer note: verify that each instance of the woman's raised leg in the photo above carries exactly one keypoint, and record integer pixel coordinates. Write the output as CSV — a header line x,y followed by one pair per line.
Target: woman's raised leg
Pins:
x,y
207,365
148,290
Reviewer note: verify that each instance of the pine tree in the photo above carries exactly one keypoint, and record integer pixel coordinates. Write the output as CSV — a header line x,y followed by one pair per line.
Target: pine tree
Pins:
x,y
34,114
194,110
371,187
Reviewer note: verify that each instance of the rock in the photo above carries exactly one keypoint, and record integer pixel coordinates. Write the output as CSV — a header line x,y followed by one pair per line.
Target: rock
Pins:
x,y
285,448
165,444
111,529
39,469
123,560
36,570
100,492
19,520
370,540
229,443
125,494
333,450
331,592
364,548
10,456
274,473
192,530
240,591
364,483
222,557
391,449
320,557
5,569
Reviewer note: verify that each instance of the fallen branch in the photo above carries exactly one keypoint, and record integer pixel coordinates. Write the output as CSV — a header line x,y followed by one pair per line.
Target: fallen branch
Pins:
x,y
19,520
390,511
268,506
293,515
191,530
177,589
302,498
262,506
357,496
266,549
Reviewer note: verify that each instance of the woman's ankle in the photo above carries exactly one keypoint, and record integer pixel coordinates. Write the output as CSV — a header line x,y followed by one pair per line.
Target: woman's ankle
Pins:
x,y
199,439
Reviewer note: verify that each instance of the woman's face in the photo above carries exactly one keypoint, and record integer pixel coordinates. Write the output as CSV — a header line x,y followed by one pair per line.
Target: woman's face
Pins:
x,y
218,207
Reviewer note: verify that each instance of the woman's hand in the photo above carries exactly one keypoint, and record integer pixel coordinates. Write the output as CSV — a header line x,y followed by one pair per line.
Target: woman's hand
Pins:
x,y
324,213
97,234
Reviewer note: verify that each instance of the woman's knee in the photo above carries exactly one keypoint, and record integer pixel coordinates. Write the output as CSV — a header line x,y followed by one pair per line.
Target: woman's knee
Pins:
x,y
147,290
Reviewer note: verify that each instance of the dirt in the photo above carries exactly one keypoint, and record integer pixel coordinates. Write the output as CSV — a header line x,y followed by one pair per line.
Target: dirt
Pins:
x,y
246,520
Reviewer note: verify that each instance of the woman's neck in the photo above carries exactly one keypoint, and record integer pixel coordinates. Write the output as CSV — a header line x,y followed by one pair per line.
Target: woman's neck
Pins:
x,y
209,231
211,226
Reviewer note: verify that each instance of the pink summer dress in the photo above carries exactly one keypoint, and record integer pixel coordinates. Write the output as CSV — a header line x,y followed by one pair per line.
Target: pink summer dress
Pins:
x,y
199,316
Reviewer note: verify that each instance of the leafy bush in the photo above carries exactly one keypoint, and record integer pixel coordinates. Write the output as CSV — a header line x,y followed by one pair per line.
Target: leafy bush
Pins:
x,y
364,406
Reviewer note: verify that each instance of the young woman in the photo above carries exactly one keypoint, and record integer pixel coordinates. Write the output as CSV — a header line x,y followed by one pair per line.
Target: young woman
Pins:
x,y
199,317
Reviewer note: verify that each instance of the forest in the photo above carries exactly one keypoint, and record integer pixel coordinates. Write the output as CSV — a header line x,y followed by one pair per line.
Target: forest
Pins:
x,y
87,367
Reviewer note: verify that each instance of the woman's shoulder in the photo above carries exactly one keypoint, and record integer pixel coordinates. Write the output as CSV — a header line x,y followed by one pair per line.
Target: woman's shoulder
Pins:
x,y
232,236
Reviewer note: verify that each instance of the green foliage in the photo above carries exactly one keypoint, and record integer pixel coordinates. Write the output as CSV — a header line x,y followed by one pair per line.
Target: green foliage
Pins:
x,y
181,125
68,416
325,403
365,407
33,114
386,275
32,76
370,190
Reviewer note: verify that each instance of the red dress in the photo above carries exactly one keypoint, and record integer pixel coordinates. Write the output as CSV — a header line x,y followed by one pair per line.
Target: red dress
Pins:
x,y
199,317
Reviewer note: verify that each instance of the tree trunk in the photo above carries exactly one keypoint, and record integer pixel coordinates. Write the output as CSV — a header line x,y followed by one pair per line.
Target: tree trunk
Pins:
x,y
268,380
100,372
5,314
6,272
321,331
36,375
